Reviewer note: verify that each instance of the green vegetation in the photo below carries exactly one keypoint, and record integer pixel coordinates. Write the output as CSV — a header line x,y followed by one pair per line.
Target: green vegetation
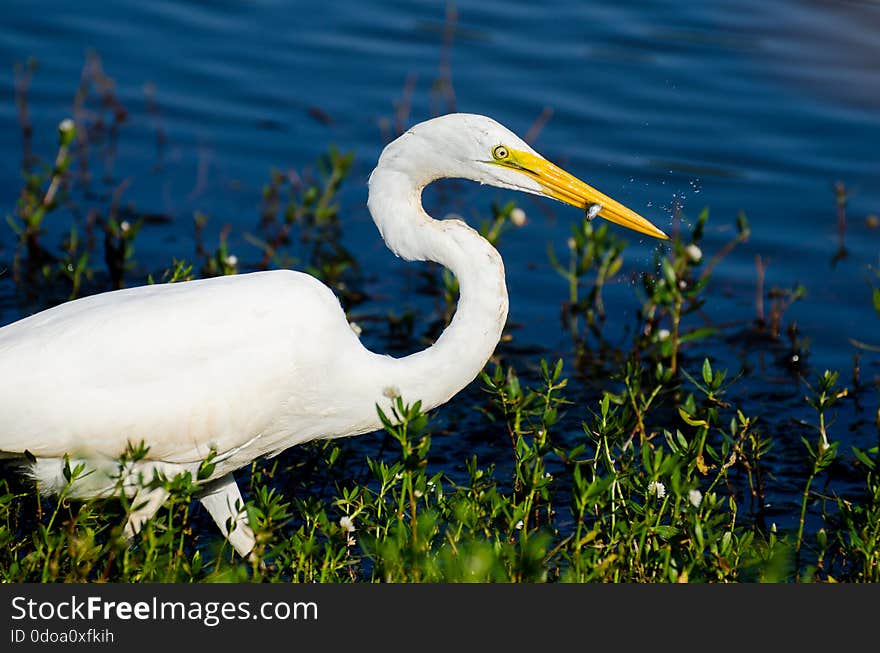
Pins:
x,y
635,461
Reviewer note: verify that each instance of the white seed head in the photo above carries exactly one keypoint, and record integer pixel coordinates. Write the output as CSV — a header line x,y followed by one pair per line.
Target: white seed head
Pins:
x,y
347,524
518,217
657,489
65,125
232,260
694,253
695,497
663,334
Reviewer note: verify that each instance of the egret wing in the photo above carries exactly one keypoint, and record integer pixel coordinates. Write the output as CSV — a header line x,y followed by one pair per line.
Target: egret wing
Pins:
x,y
183,368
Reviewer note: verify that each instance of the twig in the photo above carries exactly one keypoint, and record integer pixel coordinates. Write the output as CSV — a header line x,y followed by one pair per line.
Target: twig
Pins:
x,y
841,197
403,107
156,117
24,73
538,125
760,270
444,76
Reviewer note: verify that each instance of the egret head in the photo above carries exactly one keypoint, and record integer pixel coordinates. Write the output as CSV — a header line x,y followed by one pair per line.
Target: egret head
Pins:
x,y
478,148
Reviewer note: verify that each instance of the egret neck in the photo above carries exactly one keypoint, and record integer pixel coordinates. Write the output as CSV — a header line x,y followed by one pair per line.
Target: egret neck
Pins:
x,y
437,373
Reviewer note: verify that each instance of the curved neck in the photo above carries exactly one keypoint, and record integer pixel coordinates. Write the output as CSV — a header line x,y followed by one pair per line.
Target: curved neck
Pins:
x,y
435,374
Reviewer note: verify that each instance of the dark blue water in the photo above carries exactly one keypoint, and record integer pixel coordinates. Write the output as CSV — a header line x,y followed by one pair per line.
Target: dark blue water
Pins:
x,y
739,105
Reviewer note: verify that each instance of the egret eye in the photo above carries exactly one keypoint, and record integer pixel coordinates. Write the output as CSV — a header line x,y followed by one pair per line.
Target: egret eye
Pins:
x,y
500,152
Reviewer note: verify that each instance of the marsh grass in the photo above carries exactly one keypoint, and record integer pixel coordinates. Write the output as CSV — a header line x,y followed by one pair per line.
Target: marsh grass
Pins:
x,y
635,460
639,497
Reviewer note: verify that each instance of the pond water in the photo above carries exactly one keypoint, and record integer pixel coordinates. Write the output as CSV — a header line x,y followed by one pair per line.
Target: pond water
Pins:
x,y
738,105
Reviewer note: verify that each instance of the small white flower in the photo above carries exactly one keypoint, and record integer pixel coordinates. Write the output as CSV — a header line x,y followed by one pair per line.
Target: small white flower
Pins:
x,y
657,489
350,541
418,494
773,527
694,253
695,497
518,217
65,125
519,525
663,334
347,524
124,226
356,328
232,260
391,391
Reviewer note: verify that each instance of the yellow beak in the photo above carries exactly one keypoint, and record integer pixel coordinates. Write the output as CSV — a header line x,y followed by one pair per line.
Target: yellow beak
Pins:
x,y
557,183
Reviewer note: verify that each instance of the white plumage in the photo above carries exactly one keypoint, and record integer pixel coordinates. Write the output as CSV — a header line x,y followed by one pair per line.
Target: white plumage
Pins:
x,y
246,366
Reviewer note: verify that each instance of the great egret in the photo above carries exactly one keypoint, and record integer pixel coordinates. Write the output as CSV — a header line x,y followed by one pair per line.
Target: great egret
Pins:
x,y
246,366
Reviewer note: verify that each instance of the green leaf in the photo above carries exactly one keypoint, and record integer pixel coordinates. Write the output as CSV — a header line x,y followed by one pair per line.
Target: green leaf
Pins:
x,y
614,267
863,458
697,334
666,532
707,372
702,219
809,447
742,226
206,468
691,420
669,273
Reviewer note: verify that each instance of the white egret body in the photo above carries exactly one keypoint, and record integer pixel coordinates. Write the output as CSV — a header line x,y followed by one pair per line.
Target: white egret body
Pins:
x,y
246,366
